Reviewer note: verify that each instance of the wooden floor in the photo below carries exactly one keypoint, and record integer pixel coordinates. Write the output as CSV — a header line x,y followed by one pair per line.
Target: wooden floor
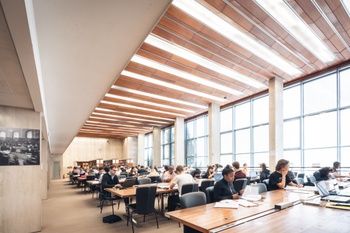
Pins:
x,y
68,209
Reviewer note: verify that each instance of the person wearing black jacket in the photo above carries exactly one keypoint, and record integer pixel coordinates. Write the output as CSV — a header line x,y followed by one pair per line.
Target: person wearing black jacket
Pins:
x,y
322,174
223,189
110,180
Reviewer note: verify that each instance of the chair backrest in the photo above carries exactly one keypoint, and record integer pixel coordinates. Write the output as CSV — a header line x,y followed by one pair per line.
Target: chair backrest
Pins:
x,y
240,184
145,196
192,199
90,177
311,180
261,186
188,188
248,180
301,175
205,184
299,180
266,182
121,177
155,179
144,180
209,193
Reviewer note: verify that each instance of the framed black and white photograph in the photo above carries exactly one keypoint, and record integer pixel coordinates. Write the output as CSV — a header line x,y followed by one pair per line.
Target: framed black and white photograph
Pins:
x,y
19,147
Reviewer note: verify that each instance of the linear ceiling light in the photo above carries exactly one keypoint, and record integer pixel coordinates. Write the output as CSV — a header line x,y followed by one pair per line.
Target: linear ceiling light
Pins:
x,y
219,25
129,118
147,102
346,5
133,114
283,14
158,97
130,122
114,124
171,86
183,74
202,61
140,108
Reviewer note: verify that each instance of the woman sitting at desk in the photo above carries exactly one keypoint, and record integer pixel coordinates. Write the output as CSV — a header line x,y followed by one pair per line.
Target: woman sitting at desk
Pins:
x,y
322,174
223,189
279,178
209,173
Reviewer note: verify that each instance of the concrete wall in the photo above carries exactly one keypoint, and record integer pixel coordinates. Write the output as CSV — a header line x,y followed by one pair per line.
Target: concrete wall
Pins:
x,y
20,186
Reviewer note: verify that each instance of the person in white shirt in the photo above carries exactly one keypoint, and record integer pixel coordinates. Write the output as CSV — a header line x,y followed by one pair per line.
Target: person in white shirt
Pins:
x,y
168,175
180,179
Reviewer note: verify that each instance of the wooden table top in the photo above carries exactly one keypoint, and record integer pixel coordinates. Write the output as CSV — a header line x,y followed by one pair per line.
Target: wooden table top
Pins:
x,y
205,217
297,219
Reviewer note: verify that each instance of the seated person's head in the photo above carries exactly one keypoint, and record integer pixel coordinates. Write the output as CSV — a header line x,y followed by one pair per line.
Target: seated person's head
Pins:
x,y
196,173
282,164
228,174
336,165
235,165
179,169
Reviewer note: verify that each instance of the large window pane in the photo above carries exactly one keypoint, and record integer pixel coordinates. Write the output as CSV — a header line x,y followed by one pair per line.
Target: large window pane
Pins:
x,y
201,147
189,130
261,158
261,110
243,158
226,143
345,158
225,159
201,162
242,116
294,157
291,134
189,148
291,102
345,127
261,138
242,144
321,130
200,127
226,120
344,88
325,157
320,94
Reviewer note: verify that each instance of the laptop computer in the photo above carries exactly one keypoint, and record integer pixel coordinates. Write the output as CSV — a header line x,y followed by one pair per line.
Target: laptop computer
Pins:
x,y
218,176
128,183
324,193
333,188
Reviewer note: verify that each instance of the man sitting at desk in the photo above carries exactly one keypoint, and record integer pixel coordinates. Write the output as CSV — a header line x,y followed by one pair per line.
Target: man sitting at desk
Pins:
x,y
279,178
322,174
223,189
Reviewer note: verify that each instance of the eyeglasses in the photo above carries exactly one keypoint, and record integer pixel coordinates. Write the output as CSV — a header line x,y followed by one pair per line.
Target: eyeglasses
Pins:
x,y
114,170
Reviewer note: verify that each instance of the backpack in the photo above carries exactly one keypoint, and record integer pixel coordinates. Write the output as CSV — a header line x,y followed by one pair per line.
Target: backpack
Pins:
x,y
111,219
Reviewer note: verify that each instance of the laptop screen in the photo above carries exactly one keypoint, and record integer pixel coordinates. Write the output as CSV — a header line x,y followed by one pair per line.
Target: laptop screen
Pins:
x,y
218,176
322,188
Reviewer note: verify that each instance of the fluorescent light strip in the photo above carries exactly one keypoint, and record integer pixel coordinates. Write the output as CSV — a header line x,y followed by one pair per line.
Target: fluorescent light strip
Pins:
x,y
346,5
131,118
193,57
292,22
133,114
158,97
219,25
140,108
147,102
169,85
132,122
110,129
183,74
114,124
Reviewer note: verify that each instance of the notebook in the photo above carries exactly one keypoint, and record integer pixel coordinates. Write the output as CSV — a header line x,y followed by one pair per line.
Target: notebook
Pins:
x,y
324,193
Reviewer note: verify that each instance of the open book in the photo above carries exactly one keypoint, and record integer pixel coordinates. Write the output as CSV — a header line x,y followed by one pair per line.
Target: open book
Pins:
x,y
227,204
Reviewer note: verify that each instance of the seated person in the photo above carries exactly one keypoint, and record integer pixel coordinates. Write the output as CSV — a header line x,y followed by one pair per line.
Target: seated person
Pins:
x,y
223,189
245,169
279,178
265,173
153,172
238,173
169,174
196,174
322,174
180,179
209,174
335,170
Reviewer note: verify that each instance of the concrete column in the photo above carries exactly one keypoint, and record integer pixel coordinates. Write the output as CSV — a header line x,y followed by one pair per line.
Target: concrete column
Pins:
x,y
43,168
214,133
130,149
156,146
179,134
275,121
140,149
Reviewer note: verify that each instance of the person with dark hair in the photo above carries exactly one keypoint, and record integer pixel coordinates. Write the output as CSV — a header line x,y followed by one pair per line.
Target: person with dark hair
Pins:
x,y
238,172
265,173
196,174
335,170
169,174
209,174
279,178
322,174
223,189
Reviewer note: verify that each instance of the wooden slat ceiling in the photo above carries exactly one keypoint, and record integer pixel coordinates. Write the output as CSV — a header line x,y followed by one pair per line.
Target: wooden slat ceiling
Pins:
x,y
116,117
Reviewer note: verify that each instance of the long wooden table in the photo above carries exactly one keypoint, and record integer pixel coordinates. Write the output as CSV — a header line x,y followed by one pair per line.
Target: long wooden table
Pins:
x,y
206,217
130,192
297,219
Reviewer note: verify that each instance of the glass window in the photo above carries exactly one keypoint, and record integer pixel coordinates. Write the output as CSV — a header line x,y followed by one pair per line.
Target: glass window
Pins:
x,y
226,143
345,127
291,102
15,134
261,158
325,157
345,158
242,158
321,130
242,141
320,94
344,88
190,148
261,110
261,138
189,129
242,115
225,159
291,134
293,156
201,147
2,134
226,120
200,127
